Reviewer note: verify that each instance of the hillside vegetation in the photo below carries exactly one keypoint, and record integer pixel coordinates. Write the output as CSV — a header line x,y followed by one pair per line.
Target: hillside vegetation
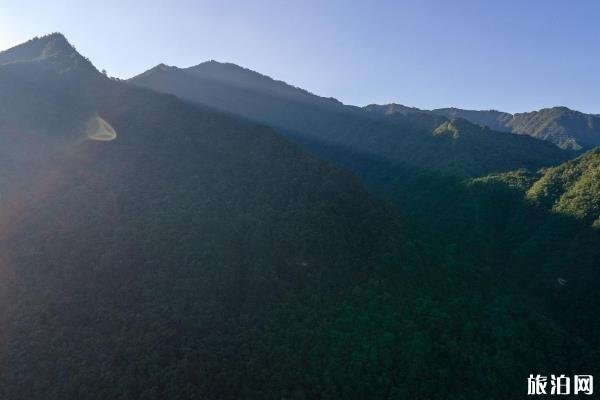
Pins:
x,y
572,188
197,255
129,265
568,129
323,123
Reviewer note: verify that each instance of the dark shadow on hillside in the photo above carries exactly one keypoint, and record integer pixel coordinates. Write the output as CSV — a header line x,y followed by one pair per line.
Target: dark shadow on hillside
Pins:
x,y
552,260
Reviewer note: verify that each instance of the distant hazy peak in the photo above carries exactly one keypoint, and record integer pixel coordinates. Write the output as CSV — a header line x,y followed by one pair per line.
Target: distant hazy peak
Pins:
x,y
36,48
460,110
53,47
157,69
236,76
225,70
217,66
566,128
551,111
165,67
392,108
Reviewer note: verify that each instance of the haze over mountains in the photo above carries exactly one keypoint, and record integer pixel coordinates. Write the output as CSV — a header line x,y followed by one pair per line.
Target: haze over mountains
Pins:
x,y
568,129
326,123
200,243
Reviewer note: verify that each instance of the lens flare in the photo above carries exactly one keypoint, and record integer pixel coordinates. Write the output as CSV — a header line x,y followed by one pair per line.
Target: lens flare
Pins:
x,y
99,129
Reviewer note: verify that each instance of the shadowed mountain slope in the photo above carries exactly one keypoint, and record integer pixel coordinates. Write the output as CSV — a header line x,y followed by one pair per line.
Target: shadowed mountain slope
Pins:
x,y
160,250
408,140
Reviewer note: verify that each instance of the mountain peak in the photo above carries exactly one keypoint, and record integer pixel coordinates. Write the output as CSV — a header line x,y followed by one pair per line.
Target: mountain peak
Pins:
x,y
233,75
163,66
561,108
550,111
54,49
156,70
220,70
38,48
56,37
392,108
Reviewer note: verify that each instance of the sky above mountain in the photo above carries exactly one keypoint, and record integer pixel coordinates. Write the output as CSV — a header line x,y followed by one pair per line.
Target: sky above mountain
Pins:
x,y
508,55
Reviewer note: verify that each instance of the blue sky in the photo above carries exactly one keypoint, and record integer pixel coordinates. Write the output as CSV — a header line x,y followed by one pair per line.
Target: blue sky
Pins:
x,y
508,55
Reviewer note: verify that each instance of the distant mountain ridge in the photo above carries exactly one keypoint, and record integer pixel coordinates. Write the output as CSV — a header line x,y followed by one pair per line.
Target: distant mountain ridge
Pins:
x,y
244,78
404,138
568,129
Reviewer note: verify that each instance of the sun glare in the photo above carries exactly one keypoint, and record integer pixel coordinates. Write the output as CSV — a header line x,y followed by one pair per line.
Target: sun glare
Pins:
x,y
99,129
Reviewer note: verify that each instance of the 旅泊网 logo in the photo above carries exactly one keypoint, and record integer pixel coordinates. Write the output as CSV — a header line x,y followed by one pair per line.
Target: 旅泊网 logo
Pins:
x,y
560,385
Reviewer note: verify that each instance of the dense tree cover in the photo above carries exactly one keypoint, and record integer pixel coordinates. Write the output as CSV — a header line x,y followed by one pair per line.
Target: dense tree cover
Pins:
x,y
493,119
148,258
572,188
496,223
412,331
469,228
406,138
200,257
568,129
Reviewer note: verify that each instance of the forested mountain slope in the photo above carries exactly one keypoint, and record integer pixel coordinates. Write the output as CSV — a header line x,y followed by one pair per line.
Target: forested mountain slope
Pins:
x,y
568,129
154,249
326,123
486,227
133,264
535,231
493,119
572,188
